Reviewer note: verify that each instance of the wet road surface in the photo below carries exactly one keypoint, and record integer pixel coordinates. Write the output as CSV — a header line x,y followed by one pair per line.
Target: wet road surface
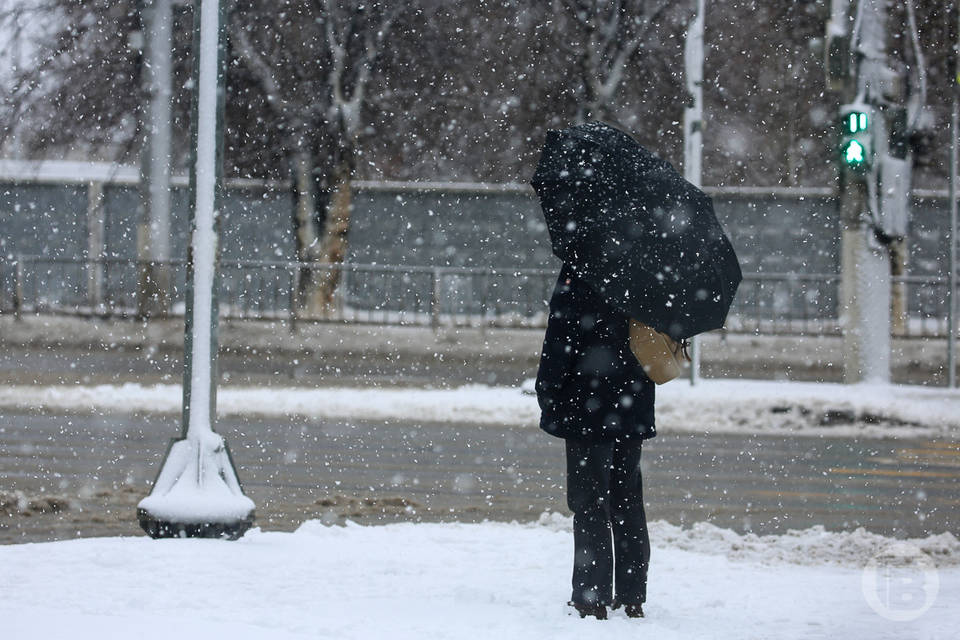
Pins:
x,y
64,476
31,365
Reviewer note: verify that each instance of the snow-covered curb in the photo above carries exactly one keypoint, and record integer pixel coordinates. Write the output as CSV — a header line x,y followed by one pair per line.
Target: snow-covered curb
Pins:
x,y
448,581
715,406
813,546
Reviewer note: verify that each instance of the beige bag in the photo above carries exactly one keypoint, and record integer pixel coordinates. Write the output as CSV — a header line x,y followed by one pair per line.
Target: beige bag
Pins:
x,y
662,357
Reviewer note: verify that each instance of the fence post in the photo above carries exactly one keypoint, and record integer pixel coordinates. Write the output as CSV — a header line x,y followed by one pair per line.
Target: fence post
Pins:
x,y
483,305
337,295
95,245
294,296
435,299
18,288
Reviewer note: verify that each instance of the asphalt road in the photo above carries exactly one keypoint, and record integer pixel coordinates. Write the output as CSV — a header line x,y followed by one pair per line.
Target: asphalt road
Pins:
x,y
31,365
82,475
44,350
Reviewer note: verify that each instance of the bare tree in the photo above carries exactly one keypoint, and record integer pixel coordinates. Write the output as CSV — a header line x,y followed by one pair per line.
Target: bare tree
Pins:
x,y
467,90
315,60
355,36
766,108
454,90
281,49
606,38
81,87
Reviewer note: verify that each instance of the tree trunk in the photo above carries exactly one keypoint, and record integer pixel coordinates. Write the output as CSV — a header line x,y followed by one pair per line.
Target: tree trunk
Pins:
x,y
308,242
336,227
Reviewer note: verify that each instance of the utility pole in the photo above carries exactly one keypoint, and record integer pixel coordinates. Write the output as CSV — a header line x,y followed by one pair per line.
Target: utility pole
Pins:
x,y
153,234
693,132
882,108
197,492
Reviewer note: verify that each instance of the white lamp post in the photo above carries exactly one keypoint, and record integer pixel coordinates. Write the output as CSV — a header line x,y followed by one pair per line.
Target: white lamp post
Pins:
x,y
197,493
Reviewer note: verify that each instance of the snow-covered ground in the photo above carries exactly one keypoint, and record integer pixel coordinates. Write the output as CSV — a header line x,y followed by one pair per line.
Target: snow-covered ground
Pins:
x,y
495,580
717,406
489,580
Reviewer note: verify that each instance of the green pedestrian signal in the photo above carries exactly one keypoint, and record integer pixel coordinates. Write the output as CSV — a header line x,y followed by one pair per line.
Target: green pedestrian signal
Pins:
x,y
856,137
854,154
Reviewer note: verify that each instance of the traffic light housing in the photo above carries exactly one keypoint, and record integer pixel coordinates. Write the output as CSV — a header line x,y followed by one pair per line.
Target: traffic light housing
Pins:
x,y
856,137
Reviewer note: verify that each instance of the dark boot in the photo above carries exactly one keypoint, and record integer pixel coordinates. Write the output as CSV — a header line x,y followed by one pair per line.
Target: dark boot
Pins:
x,y
632,610
598,611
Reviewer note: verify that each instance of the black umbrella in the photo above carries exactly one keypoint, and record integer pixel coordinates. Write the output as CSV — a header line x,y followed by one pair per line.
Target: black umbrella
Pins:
x,y
644,238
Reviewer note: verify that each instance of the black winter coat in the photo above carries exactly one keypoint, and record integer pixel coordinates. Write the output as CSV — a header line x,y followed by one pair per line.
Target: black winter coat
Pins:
x,y
590,386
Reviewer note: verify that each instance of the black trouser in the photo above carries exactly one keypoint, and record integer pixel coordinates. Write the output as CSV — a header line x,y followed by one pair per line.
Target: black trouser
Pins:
x,y
605,492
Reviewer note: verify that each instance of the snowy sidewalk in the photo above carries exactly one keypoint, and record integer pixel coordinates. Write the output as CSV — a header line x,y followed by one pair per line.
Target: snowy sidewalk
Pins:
x,y
713,406
486,580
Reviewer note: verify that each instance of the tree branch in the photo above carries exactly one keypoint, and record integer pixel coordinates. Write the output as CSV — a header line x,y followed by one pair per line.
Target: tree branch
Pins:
x,y
260,68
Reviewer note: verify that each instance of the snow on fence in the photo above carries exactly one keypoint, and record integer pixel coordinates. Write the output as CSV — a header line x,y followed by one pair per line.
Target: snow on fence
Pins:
x,y
796,304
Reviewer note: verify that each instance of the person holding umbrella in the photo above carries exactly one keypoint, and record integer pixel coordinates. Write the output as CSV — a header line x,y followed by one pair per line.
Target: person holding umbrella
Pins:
x,y
639,244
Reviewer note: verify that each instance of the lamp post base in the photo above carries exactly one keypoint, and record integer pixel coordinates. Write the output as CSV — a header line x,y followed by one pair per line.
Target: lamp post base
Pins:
x,y
157,528
197,493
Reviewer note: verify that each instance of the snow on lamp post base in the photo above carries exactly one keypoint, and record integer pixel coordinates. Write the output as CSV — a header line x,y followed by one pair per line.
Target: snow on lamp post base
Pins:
x,y
197,493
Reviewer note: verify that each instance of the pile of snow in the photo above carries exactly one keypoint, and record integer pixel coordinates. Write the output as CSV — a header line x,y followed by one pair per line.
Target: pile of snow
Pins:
x,y
809,408
813,546
490,580
715,406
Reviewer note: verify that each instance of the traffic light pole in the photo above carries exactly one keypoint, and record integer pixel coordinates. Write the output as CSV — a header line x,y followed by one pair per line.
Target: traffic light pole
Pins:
x,y
693,133
857,66
865,290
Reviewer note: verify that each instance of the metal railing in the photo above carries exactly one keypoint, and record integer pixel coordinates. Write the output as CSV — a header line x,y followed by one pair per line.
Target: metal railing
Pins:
x,y
367,294
782,304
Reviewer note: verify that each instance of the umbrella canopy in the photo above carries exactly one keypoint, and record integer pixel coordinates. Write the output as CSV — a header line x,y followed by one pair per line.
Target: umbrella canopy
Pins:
x,y
644,238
